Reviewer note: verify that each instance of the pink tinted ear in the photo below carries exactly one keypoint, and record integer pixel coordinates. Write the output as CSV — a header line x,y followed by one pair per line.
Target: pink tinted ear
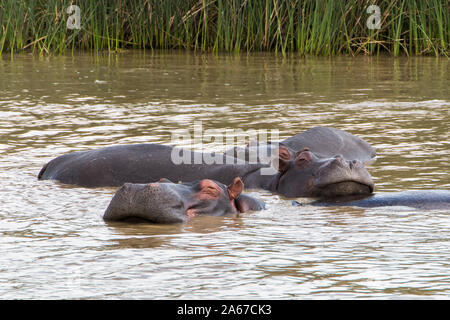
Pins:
x,y
281,163
164,180
283,159
283,153
235,189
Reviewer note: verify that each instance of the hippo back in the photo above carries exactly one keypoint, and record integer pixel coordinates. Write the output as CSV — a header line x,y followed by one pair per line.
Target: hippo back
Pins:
x,y
327,142
140,163
418,199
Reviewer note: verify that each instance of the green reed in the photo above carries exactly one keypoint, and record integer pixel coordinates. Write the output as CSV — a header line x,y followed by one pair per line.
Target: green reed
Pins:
x,y
316,27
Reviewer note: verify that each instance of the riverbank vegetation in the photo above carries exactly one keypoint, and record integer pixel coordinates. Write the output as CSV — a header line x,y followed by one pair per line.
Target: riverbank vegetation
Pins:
x,y
316,27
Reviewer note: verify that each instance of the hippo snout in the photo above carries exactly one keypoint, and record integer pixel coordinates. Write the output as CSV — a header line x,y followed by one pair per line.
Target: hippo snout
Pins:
x,y
340,176
341,161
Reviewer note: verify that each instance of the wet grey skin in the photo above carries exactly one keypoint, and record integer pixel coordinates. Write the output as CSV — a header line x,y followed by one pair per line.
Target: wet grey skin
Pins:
x,y
324,142
311,176
417,199
297,174
304,175
168,202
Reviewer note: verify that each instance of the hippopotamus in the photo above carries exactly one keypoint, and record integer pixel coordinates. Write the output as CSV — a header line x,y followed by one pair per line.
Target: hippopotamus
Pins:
x,y
418,199
168,202
304,174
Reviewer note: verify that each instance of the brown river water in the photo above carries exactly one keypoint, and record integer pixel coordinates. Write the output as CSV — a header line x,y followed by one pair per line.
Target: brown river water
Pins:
x,y
54,243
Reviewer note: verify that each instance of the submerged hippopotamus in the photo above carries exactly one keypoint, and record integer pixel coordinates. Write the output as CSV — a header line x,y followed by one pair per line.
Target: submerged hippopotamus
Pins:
x,y
418,199
167,202
303,175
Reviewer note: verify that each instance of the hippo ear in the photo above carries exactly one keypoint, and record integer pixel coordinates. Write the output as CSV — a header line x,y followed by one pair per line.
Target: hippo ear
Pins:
x,y
235,189
284,153
281,162
164,180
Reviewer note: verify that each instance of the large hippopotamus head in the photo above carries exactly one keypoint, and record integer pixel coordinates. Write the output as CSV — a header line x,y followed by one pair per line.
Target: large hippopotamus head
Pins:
x,y
304,174
168,202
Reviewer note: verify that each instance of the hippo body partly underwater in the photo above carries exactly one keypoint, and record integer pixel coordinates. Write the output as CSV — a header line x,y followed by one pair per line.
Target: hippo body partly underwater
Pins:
x,y
416,199
168,202
299,173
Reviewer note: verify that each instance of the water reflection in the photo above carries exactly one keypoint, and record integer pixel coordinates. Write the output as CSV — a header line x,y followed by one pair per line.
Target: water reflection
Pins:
x,y
141,234
56,245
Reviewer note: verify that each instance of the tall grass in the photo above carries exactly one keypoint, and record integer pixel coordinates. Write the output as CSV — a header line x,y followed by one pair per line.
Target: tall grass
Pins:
x,y
317,27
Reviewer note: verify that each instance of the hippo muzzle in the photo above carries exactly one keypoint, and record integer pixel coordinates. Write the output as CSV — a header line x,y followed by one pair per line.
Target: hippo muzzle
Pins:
x,y
339,177
307,175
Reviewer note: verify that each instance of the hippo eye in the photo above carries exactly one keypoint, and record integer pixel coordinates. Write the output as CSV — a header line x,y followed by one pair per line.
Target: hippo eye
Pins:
x,y
303,159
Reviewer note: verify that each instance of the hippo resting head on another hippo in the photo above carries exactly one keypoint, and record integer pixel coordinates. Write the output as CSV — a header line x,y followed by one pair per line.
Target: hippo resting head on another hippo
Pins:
x,y
167,202
306,175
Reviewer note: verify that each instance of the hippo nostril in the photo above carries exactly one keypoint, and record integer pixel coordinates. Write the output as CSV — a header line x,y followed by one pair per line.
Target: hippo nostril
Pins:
x,y
354,163
338,159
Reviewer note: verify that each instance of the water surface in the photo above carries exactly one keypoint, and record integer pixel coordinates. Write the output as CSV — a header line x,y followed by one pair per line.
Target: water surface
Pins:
x,y
54,243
